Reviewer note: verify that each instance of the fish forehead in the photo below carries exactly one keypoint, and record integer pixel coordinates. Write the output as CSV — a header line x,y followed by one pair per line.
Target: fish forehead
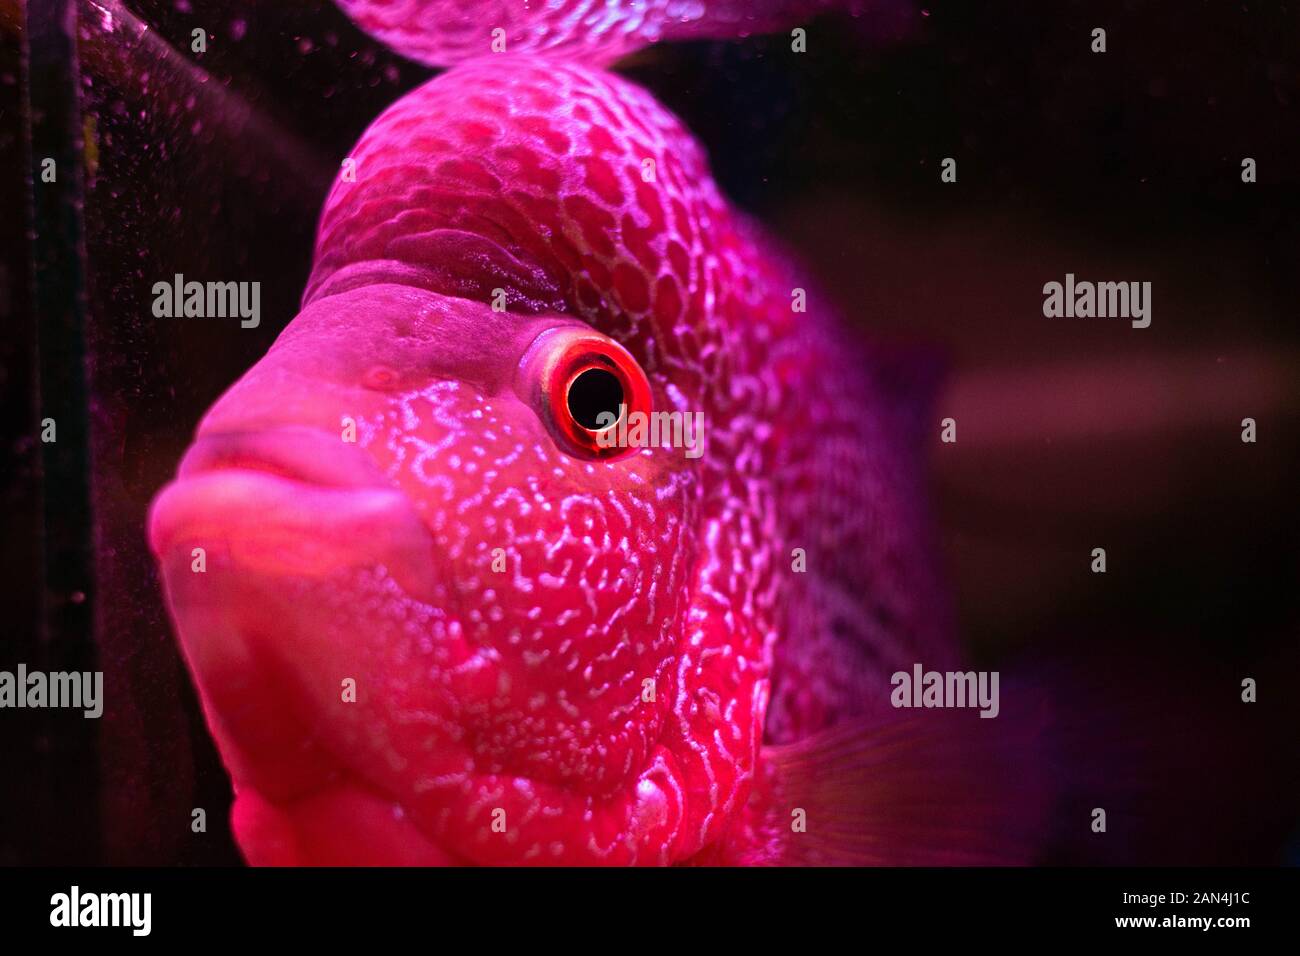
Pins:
x,y
570,190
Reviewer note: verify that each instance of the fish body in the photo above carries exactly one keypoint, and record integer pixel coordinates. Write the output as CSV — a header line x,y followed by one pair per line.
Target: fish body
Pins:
x,y
429,626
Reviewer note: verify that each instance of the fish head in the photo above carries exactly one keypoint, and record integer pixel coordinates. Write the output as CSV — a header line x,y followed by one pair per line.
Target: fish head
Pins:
x,y
427,583
400,563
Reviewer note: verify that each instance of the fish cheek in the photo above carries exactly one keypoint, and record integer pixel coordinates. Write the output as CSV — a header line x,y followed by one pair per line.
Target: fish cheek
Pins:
x,y
564,577
585,633
561,617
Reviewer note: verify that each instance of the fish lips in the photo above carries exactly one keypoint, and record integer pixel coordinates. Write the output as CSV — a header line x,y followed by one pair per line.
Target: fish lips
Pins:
x,y
291,501
270,507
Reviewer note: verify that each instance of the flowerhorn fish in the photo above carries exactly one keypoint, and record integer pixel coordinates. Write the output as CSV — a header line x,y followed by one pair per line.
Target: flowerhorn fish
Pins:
x,y
437,621
448,599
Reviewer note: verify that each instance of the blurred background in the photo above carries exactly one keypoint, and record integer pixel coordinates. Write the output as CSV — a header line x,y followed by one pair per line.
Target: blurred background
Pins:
x,y
1072,433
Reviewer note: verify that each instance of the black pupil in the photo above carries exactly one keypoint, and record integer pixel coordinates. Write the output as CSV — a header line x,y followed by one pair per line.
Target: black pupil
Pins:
x,y
593,392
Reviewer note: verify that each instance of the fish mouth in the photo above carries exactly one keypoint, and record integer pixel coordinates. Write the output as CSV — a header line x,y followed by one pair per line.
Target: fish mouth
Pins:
x,y
292,501
268,507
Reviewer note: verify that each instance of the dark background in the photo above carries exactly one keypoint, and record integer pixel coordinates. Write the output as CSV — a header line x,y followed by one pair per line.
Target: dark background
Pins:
x,y
1073,434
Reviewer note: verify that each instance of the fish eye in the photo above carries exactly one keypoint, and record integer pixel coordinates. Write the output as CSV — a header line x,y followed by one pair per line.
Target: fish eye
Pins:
x,y
585,386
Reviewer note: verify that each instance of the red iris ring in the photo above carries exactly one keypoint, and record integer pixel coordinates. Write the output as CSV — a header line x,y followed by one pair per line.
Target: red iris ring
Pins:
x,y
583,355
